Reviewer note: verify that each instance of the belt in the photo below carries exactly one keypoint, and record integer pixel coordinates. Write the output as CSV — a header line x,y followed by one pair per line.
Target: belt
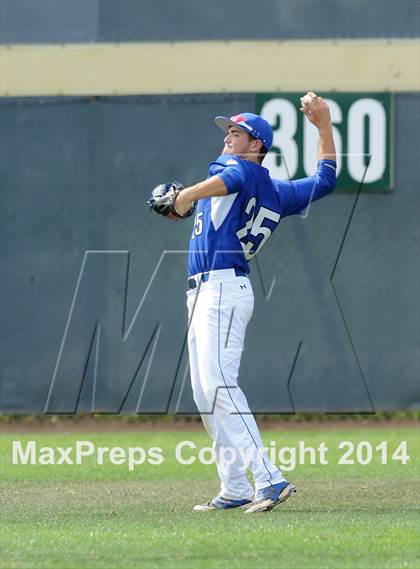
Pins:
x,y
221,274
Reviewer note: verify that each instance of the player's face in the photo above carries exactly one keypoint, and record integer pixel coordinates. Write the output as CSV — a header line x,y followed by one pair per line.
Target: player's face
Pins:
x,y
237,142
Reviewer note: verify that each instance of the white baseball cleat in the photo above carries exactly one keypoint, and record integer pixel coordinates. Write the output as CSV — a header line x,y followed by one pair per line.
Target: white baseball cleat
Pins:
x,y
220,503
270,496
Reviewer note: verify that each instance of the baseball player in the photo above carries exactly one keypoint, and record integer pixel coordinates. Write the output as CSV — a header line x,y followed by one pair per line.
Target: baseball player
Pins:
x,y
237,208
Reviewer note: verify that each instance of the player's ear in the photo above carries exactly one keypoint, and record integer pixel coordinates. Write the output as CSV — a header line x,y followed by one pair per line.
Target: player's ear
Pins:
x,y
257,145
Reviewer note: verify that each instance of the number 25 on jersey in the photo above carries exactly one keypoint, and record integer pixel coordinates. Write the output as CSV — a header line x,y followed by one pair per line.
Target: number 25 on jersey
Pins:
x,y
256,228
198,225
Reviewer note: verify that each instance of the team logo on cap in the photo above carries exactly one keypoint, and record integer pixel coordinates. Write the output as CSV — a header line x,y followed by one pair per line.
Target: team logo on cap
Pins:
x,y
239,119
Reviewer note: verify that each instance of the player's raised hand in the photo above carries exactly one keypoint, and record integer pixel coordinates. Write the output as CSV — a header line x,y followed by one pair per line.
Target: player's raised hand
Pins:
x,y
315,109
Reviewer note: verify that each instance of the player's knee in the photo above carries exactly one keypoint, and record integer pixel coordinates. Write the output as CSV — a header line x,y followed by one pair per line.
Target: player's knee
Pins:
x,y
220,398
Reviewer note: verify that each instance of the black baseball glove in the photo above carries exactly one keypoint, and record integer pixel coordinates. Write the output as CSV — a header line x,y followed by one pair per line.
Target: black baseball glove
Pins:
x,y
162,200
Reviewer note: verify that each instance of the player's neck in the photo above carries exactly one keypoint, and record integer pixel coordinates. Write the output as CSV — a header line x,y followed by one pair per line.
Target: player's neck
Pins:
x,y
251,158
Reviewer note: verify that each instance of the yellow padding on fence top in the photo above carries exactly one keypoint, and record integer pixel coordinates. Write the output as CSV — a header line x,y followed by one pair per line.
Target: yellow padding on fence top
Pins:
x,y
210,67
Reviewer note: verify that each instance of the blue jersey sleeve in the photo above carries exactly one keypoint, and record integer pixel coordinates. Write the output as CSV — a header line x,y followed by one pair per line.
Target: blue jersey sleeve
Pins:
x,y
296,195
234,179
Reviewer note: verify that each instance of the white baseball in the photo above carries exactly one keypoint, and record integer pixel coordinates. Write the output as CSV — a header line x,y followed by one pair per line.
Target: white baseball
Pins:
x,y
306,100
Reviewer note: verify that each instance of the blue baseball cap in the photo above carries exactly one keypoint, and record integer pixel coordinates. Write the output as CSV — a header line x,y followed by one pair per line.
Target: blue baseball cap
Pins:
x,y
254,125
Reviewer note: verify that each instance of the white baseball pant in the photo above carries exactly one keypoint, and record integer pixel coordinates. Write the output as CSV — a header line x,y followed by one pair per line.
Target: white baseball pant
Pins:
x,y
218,313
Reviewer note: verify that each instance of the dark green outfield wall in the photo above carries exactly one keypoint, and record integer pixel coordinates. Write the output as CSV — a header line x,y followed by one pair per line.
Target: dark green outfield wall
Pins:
x,y
339,331
56,21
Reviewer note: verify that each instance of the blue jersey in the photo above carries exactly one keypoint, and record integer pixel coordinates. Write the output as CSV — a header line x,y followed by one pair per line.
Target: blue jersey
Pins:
x,y
230,230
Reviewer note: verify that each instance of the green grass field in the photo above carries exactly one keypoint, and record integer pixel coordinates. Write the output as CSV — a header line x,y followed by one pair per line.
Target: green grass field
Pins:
x,y
91,516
